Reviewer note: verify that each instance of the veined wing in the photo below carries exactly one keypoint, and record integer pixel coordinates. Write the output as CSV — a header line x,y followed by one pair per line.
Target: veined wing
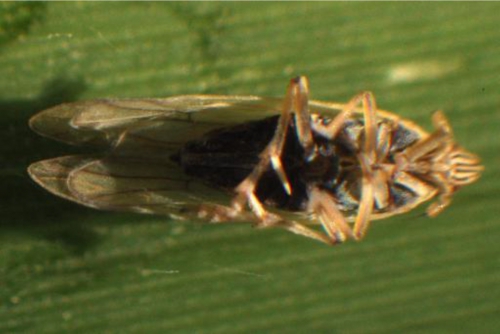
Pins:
x,y
175,119
162,122
125,184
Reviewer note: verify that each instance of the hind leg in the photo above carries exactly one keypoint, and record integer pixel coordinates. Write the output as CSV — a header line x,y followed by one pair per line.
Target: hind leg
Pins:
x,y
296,102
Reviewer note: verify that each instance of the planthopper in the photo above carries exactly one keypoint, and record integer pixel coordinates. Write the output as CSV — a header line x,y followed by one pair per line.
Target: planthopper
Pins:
x,y
291,163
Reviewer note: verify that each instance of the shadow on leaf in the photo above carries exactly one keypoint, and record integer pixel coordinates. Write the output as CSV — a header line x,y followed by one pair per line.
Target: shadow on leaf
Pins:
x,y
27,209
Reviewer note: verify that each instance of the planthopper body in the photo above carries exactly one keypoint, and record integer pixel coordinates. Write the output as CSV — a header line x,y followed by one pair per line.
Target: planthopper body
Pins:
x,y
287,163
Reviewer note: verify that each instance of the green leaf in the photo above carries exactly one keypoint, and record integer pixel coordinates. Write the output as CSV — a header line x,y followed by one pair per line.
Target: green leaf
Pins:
x,y
65,268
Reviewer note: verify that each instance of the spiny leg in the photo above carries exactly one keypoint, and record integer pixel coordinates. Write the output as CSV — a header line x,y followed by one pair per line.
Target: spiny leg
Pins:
x,y
296,99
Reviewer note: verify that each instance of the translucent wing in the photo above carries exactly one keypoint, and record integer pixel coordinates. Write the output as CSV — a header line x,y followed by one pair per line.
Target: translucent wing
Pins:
x,y
126,184
138,174
169,121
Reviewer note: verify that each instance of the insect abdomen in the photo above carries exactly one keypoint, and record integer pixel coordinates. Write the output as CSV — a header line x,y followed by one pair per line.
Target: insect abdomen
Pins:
x,y
226,156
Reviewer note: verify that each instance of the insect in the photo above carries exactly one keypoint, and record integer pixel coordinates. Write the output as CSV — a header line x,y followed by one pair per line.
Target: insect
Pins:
x,y
287,163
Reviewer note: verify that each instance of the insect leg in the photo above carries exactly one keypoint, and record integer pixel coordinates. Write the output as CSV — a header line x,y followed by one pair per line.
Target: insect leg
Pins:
x,y
438,140
218,214
334,223
444,199
367,155
438,145
296,99
302,115
367,197
367,100
382,176
367,158
302,230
